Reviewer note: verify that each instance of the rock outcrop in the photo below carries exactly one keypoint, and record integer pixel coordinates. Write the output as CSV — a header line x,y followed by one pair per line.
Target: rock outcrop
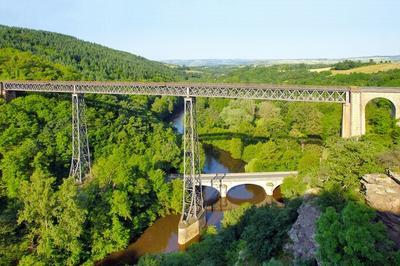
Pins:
x,y
383,194
303,245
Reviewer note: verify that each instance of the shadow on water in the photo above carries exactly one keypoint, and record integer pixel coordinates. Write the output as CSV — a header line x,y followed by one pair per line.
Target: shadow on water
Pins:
x,y
219,161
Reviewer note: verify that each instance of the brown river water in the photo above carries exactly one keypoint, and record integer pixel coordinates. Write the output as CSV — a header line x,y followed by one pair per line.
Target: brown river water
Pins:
x,y
162,235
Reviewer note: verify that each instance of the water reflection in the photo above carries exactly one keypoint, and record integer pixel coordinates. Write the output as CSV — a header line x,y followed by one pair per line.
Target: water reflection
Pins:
x,y
162,236
219,161
216,206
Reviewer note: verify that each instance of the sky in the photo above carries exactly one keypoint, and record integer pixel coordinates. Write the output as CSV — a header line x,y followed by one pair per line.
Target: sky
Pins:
x,y
221,29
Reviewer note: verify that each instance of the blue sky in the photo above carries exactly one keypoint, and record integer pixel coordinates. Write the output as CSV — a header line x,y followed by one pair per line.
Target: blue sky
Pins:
x,y
248,29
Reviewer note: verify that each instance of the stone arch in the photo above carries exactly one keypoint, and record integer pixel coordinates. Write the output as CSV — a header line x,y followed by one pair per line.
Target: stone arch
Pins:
x,y
394,109
257,184
211,194
382,100
277,191
393,98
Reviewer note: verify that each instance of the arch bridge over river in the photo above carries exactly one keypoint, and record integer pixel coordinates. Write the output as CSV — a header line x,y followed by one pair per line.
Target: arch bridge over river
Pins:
x,y
223,182
353,100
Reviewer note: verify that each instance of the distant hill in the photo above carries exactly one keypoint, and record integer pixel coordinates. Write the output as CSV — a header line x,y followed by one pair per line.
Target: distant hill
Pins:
x,y
92,61
369,69
266,62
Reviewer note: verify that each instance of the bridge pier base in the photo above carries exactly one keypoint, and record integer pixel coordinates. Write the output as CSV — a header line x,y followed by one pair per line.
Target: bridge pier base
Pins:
x,y
223,190
7,95
188,231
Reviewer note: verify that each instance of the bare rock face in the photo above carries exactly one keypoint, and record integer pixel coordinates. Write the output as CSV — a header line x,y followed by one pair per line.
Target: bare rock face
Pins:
x,y
392,223
383,194
303,245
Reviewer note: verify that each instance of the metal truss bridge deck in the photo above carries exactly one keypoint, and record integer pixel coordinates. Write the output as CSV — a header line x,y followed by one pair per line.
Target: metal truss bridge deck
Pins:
x,y
244,91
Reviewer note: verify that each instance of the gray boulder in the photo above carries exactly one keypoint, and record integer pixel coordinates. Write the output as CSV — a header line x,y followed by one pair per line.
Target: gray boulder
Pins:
x,y
382,193
303,245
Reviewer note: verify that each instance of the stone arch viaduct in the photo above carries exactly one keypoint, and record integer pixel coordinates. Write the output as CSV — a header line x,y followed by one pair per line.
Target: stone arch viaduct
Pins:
x,y
353,100
268,181
354,120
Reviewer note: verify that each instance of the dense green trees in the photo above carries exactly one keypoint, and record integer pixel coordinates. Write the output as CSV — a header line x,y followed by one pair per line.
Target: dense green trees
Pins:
x,y
347,162
269,136
126,192
351,237
379,116
91,61
54,221
349,64
15,64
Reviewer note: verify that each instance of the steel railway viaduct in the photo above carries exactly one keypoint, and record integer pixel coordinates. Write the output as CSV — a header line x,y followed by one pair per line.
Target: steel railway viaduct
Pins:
x,y
353,100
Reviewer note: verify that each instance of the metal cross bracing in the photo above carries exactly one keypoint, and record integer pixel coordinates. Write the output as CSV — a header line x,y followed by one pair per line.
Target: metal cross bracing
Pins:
x,y
80,162
192,207
245,91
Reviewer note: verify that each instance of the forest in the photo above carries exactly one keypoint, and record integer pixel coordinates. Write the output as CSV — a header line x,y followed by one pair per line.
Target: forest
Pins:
x,y
90,60
46,219
349,64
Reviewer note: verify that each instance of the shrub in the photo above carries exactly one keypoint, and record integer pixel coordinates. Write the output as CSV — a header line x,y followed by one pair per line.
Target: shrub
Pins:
x,y
350,237
293,186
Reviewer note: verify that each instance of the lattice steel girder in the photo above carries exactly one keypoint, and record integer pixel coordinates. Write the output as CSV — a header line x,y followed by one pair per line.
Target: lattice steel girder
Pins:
x,y
192,194
80,161
246,91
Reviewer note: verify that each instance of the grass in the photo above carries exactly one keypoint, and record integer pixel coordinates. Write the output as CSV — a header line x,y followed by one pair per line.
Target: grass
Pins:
x,y
320,69
369,69
364,69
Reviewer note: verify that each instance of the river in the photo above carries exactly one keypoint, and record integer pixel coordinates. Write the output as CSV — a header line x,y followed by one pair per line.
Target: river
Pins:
x,y
162,236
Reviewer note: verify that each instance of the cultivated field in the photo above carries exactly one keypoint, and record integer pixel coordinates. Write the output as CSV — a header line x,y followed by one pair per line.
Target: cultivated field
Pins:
x,y
369,69
363,69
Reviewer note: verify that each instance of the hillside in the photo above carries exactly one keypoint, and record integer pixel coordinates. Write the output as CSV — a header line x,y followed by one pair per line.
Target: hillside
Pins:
x,y
267,62
302,74
369,69
92,61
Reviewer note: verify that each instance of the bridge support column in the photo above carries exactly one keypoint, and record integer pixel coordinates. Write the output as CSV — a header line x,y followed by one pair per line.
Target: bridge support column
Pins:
x,y
353,116
80,162
223,191
193,217
7,95
346,120
191,229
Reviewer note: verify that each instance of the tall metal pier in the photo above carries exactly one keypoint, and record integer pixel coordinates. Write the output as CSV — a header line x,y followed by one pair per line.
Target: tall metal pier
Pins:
x,y
193,214
80,162
192,194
